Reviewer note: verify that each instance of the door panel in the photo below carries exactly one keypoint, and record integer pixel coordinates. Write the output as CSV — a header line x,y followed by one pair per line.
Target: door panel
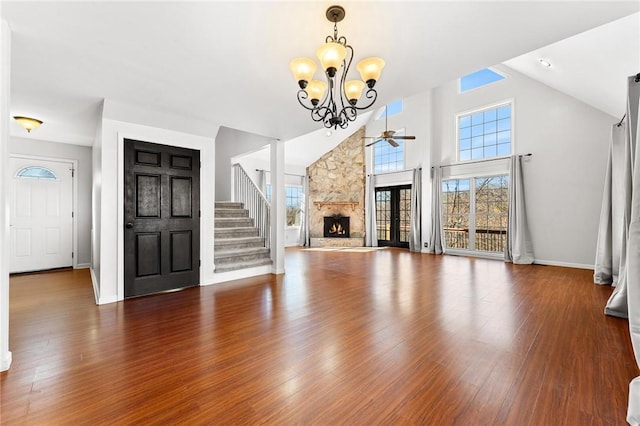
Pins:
x,y
162,223
41,215
393,215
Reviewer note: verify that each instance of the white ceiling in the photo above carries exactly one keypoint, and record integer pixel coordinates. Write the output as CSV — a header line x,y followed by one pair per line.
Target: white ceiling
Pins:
x,y
227,62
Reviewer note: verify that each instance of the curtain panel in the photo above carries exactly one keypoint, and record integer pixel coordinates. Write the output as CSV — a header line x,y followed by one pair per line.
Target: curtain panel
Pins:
x,y
435,240
415,232
519,247
371,233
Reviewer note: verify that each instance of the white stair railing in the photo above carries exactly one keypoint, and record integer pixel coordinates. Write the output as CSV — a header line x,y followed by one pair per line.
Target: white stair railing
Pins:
x,y
247,193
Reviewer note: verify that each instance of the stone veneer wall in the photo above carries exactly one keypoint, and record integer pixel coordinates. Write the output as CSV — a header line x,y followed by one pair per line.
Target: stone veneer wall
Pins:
x,y
338,176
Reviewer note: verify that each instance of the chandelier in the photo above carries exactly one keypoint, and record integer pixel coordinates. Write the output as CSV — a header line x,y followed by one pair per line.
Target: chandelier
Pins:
x,y
335,103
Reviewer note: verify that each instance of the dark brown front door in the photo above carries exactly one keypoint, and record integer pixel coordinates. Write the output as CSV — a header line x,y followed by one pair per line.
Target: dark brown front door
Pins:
x,y
393,215
161,216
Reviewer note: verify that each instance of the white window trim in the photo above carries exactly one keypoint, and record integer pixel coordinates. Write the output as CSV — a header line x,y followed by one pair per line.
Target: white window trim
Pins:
x,y
502,73
482,109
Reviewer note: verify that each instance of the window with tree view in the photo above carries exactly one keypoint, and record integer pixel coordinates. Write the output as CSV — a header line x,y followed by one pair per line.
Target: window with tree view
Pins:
x,y
293,202
485,133
474,213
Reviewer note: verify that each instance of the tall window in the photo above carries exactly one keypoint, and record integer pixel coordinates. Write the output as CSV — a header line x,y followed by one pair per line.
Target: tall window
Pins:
x,y
474,213
293,196
387,158
485,133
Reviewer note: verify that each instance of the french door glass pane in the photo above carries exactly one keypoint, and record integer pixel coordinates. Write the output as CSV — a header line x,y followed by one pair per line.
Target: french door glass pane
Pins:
x,y
405,214
491,206
455,212
383,215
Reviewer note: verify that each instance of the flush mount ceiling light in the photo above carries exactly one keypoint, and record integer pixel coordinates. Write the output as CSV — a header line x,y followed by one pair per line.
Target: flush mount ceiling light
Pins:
x,y
544,63
335,103
28,123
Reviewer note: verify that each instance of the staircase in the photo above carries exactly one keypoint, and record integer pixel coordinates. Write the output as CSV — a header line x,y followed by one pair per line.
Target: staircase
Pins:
x,y
237,244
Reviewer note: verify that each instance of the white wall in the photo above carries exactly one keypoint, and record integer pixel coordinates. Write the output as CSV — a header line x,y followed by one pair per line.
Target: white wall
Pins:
x,y
110,237
82,154
229,144
564,178
5,90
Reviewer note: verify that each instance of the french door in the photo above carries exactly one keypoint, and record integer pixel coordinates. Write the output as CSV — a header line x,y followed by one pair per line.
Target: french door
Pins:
x,y
393,215
474,213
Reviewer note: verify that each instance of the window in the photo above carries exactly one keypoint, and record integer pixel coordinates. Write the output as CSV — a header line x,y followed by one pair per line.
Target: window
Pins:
x,y
479,78
36,172
474,213
267,192
293,196
485,133
293,203
390,109
387,158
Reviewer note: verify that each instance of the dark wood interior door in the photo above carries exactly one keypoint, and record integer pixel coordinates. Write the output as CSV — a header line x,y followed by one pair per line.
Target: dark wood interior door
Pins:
x,y
162,218
393,215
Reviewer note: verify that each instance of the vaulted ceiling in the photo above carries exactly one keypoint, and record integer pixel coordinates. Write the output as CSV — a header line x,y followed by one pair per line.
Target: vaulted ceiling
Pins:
x,y
226,63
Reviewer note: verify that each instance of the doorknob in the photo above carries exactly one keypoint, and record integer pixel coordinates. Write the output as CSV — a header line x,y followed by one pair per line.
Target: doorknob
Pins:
x,y
129,225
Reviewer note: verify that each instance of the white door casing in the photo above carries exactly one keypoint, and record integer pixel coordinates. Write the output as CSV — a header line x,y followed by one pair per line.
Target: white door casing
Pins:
x,y
41,222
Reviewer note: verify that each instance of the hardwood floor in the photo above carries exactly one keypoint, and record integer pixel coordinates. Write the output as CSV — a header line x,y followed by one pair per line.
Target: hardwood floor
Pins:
x,y
386,337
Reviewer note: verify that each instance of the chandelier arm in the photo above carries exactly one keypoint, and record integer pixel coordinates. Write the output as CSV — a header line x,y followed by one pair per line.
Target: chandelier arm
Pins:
x,y
345,65
370,94
302,95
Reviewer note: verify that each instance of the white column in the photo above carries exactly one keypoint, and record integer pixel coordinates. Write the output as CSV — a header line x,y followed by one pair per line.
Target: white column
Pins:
x,y
5,88
278,209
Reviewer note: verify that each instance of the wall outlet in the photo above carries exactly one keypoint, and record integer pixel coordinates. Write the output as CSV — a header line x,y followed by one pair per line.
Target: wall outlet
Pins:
x,y
426,244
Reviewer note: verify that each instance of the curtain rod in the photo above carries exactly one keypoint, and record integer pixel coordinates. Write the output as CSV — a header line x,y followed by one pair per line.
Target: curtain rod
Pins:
x,y
289,174
621,120
397,171
483,161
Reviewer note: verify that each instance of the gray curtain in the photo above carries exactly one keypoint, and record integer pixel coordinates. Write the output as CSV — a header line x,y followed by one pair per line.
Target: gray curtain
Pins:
x,y
304,215
371,233
262,181
415,233
519,247
615,218
435,240
633,249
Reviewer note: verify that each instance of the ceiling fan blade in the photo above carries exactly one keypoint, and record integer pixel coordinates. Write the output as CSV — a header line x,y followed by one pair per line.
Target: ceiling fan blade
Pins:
x,y
405,137
392,143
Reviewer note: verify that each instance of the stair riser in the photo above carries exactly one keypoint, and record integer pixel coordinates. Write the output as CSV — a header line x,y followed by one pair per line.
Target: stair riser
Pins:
x,y
233,245
228,205
235,267
237,213
235,233
238,259
234,223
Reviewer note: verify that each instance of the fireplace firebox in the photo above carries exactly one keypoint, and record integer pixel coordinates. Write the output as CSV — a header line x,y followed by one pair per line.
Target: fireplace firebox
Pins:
x,y
336,226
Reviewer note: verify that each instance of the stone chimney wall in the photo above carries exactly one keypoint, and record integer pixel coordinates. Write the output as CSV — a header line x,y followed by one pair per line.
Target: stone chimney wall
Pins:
x,y
337,187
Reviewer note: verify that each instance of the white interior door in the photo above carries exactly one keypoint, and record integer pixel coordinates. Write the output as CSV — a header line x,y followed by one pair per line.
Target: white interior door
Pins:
x,y
41,222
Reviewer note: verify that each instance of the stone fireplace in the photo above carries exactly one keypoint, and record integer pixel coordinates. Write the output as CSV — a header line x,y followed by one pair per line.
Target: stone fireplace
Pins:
x,y
337,190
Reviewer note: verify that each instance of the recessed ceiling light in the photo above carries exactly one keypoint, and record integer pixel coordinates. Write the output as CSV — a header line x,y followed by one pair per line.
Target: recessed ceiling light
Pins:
x,y
544,63
328,133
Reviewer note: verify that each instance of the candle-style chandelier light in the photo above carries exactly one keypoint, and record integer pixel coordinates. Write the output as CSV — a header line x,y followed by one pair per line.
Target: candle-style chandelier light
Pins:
x,y
338,105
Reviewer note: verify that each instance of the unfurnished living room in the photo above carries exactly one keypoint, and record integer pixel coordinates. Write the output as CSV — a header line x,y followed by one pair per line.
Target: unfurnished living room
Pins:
x,y
311,212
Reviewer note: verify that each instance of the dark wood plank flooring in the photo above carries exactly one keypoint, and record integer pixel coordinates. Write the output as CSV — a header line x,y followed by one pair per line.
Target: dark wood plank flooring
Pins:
x,y
386,337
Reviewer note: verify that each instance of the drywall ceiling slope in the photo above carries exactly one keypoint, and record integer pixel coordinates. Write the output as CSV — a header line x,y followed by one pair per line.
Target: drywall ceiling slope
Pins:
x,y
592,66
227,61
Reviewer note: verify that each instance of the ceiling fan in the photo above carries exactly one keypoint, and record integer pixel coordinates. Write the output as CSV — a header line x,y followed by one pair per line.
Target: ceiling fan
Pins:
x,y
388,135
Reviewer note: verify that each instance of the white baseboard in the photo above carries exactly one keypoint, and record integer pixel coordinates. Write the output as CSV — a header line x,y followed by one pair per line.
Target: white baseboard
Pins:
x,y
240,274
563,264
94,282
7,357
105,300
83,265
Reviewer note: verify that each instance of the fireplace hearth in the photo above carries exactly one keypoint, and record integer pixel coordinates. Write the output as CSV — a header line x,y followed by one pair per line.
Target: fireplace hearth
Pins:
x,y
336,226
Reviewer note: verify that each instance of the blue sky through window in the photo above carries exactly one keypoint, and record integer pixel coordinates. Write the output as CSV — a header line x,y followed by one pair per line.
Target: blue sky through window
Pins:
x,y
478,79
392,108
